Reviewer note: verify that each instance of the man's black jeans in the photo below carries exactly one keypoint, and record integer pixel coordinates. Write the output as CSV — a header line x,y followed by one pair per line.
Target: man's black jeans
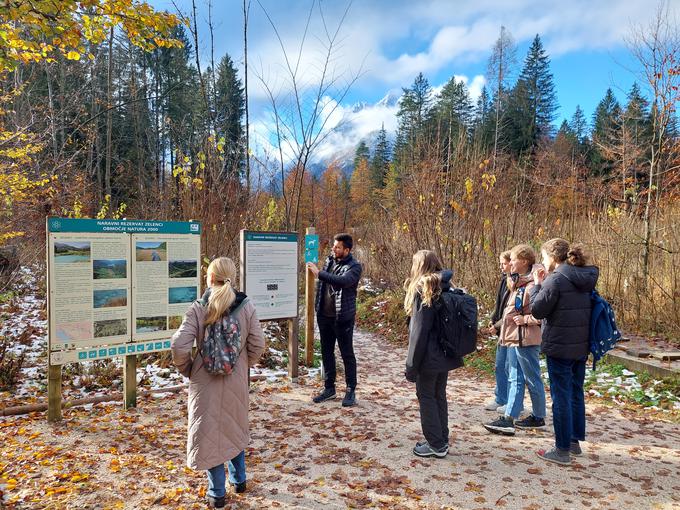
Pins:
x,y
434,416
342,331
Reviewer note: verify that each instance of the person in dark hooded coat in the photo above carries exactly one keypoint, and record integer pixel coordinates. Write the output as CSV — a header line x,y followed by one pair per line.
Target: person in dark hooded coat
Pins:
x,y
562,299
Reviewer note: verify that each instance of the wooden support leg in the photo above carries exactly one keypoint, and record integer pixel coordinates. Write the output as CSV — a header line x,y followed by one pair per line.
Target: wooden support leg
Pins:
x,y
293,348
54,393
130,382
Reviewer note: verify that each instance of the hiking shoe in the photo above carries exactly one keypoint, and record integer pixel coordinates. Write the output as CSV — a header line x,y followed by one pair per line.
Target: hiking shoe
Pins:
x,y
423,449
503,425
214,502
575,449
326,394
491,406
349,399
555,455
530,422
239,487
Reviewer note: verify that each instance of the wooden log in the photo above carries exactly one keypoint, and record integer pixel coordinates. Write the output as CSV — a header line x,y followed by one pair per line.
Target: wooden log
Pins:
x,y
31,408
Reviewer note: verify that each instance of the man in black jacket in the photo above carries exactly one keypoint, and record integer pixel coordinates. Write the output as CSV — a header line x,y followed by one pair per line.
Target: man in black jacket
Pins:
x,y
336,295
501,371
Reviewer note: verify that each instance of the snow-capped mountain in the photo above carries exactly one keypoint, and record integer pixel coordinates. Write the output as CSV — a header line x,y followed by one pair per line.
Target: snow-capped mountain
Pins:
x,y
358,122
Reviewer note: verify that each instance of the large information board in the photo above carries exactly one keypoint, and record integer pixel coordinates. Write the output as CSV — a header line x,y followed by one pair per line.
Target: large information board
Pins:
x,y
269,272
118,287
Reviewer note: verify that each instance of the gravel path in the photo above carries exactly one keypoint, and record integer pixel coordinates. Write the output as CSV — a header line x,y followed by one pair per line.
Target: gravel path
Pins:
x,y
324,456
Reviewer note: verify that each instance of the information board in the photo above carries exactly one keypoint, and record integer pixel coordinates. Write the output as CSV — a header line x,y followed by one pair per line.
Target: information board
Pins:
x,y
117,287
269,272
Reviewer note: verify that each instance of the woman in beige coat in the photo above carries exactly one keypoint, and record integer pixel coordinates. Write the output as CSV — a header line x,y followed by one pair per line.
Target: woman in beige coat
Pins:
x,y
218,404
521,334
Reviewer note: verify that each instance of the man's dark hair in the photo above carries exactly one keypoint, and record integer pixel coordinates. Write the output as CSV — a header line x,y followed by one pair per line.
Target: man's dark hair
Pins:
x,y
345,239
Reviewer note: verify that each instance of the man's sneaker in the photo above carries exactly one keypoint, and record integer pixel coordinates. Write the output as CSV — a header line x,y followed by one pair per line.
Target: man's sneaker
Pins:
x,y
349,400
326,394
423,449
239,487
575,449
530,422
555,455
491,406
503,425
218,503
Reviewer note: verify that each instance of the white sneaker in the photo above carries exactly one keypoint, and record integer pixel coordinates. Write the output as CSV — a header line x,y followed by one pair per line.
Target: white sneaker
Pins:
x,y
491,406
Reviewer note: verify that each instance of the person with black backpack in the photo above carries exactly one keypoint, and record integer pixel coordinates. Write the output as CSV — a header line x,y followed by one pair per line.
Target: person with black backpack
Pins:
x,y
426,364
229,340
562,299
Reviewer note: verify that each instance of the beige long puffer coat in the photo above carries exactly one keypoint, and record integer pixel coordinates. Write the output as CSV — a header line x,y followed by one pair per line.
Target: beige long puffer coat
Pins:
x,y
218,404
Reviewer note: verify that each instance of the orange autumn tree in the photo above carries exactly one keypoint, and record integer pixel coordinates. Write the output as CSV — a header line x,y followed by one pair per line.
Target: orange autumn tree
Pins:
x,y
49,30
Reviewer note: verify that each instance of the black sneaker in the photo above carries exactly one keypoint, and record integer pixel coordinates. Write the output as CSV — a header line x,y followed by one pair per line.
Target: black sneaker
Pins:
x,y
217,502
530,422
575,449
349,399
326,394
239,487
503,425
423,449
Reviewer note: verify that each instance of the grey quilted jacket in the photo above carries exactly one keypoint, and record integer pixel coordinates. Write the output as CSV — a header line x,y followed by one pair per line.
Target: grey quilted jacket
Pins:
x,y
218,404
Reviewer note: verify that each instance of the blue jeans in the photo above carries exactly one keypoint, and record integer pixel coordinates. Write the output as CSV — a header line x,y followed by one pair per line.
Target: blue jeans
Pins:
x,y
217,475
526,370
569,407
501,375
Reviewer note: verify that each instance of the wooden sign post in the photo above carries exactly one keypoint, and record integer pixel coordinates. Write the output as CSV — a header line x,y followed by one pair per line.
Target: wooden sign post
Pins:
x,y
311,255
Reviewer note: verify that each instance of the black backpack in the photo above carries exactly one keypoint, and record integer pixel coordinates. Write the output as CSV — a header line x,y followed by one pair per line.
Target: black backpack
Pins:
x,y
457,316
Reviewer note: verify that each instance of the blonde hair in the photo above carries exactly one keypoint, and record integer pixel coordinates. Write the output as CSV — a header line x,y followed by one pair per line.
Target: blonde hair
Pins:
x,y
560,250
524,252
506,255
222,296
424,279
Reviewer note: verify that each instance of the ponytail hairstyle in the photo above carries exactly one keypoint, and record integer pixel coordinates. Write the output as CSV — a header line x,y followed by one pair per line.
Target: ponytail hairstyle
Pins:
x,y
222,296
576,256
424,280
561,252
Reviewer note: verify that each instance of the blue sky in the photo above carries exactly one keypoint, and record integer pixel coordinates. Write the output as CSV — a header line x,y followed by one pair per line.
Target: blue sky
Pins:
x,y
389,42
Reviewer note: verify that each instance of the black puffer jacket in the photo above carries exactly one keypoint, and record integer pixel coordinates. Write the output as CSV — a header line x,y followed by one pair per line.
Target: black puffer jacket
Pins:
x,y
424,352
344,279
501,299
563,301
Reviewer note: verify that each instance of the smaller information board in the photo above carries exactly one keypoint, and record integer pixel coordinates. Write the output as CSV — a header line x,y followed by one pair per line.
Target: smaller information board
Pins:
x,y
269,272
312,248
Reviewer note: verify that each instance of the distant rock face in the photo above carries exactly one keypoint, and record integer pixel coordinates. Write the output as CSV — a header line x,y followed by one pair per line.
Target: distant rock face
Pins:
x,y
361,122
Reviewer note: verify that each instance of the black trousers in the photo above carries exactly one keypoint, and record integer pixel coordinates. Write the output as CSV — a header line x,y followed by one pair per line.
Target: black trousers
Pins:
x,y
342,332
434,413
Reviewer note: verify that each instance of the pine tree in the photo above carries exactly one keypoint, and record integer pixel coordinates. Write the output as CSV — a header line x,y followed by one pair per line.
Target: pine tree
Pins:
x,y
453,114
606,127
380,162
501,61
483,120
229,111
414,108
362,153
533,102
